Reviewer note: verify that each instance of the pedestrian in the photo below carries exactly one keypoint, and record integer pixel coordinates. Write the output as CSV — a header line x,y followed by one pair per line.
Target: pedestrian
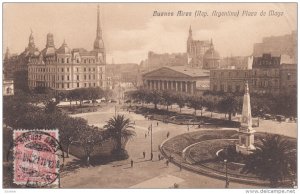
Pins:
x,y
131,163
168,134
157,124
145,135
144,154
151,155
188,128
159,157
167,163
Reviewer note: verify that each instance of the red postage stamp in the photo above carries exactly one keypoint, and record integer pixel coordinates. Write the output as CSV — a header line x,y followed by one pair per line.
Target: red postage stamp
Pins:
x,y
36,158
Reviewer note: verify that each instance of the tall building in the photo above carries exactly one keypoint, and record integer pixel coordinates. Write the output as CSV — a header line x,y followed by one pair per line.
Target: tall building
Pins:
x,y
66,69
201,53
16,66
277,45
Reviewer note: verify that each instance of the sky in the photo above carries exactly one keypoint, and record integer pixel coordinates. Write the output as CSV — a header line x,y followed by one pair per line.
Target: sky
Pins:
x,y
130,30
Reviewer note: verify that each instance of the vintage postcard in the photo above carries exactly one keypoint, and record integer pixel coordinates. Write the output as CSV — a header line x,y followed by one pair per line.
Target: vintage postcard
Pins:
x,y
150,96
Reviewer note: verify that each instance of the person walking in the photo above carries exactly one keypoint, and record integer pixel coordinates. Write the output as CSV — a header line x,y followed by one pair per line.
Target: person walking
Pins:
x,y
159,157
151,156
167,163
157,124
144,154
168,134
188,128
131,163
145,135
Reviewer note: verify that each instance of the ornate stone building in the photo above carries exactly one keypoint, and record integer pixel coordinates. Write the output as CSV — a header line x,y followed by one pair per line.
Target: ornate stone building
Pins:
x,y
16,66
269,75
66,69
201,54
177,79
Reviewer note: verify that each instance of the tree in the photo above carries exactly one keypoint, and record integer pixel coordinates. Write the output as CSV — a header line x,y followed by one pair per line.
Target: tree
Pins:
x,y
154,97
228,104
180,100
273,160
195,102
118,128
211,103
89,138
71,130
167,98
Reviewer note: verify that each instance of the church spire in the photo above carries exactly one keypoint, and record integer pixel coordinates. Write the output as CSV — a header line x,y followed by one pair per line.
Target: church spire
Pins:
x,y
190,33
31,40
99,31
98,43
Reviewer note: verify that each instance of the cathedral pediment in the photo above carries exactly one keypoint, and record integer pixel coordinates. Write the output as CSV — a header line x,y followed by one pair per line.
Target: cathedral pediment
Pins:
x,y
166,72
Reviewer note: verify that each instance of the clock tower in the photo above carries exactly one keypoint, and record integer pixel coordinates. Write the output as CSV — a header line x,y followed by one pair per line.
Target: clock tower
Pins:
x,y
246,132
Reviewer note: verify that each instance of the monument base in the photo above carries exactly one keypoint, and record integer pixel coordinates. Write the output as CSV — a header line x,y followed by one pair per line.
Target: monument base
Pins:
x,y
245,150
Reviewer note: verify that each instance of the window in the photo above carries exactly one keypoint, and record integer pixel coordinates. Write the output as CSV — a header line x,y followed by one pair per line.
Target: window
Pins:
x,y
62,60
68,69
222,87
89,77
84,77
94,69
62,78
90,84
94,84
68,85
77,60
77,85
94,76
77,69
68,77
288,76
84,69
77,77
68,61
62,69
89,69
62,85
84,84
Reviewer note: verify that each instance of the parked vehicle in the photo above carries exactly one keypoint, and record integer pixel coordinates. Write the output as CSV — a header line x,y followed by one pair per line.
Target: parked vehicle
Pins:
x,y
268,117
280,118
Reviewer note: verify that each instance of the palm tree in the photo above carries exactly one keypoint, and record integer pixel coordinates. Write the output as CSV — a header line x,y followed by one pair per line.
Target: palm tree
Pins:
x,y
273,160
118,128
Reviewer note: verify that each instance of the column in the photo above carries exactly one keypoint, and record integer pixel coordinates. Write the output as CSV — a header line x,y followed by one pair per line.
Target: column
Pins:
x,y
192,87
176,86
186,87
180,85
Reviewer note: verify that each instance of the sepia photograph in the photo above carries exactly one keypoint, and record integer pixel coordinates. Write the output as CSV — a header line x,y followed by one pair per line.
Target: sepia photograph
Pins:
x,y
149,96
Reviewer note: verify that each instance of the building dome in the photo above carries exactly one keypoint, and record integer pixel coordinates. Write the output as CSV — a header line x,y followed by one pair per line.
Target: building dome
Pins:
x,y
211,58
64,49
211,54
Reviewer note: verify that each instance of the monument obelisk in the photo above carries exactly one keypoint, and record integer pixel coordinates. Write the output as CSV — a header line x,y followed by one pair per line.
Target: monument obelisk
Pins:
x,y
246,132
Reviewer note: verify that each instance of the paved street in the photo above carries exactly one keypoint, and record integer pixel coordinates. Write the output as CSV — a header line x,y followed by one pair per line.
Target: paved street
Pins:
x,y
144,173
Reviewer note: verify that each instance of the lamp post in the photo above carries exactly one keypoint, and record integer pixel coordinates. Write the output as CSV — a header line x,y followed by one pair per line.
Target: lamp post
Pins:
x,y
151,141
226,181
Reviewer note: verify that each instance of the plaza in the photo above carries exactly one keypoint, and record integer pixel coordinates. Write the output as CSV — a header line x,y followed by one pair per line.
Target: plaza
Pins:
x,y
145,173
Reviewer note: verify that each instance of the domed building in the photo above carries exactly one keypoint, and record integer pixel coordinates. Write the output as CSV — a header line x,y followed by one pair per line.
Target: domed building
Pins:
x,y
211,58
67,69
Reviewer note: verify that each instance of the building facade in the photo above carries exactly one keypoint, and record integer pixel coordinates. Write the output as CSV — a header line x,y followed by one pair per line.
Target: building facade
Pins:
x,y
269,75
156,60
66,69
177,79
229,80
